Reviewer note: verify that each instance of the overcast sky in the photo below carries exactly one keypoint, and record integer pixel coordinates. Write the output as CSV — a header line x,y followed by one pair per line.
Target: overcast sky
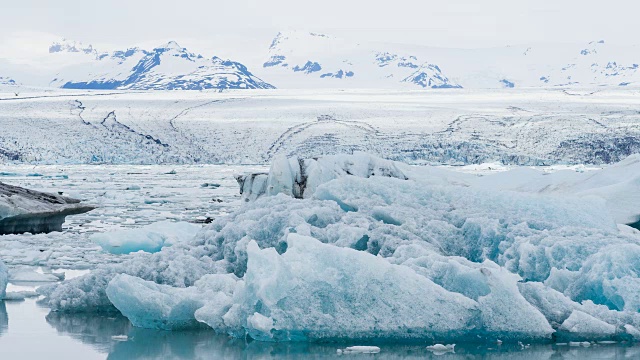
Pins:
x,y
445,23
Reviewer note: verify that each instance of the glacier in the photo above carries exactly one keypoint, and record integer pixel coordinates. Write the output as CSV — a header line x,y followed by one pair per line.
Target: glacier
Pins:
x,y
193,127
372,249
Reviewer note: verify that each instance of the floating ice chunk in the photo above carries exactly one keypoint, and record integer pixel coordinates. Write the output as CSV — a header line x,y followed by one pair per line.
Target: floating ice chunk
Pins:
x,y
558,308
219,289
633,331
13,296
583,325
361,349
150,238
4,279
299,178
440,349
29,275
579,343
505,311
610,277
427,242
317,291
259,323
173,266
19,295
150,305
252,186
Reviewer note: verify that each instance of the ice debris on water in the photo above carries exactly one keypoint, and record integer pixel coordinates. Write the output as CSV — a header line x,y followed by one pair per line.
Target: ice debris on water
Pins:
x,y
19,295
424,256
29,275
361,349
440,349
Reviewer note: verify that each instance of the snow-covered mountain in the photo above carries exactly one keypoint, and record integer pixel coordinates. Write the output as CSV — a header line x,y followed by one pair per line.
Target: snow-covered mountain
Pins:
x,y
7,81
296,60
300,59
311,60
71,46
168,67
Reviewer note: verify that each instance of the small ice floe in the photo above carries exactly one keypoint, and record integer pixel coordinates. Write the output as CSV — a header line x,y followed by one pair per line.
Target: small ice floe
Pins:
x,y
499,342
120,337
440,349
19,295
580,343
359,350
27,275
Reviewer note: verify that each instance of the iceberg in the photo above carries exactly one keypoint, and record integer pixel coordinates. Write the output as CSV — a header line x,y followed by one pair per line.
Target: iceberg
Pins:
x,y
410,255
150,305
23,210
150,238
316,291
299,177
585,326
26,275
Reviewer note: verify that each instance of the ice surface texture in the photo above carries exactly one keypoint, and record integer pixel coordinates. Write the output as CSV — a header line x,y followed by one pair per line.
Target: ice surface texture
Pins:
x,y
299,178
525,127
420,256
23,210
150,238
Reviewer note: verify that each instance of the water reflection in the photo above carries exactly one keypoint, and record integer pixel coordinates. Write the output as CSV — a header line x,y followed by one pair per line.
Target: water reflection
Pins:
x,y
97,331
4,318
89,328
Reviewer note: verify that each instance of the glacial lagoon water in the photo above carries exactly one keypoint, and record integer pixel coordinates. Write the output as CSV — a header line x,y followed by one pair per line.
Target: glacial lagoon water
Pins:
x,y
31,331
28,331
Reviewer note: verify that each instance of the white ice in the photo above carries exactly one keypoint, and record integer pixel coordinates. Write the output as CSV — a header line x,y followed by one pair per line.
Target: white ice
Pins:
x,y
509,265
149,238
359,349
440,349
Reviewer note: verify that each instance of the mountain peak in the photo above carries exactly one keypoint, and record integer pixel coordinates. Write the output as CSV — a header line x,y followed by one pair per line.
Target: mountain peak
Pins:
x,y
7,81
167,67
65,45
172,45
